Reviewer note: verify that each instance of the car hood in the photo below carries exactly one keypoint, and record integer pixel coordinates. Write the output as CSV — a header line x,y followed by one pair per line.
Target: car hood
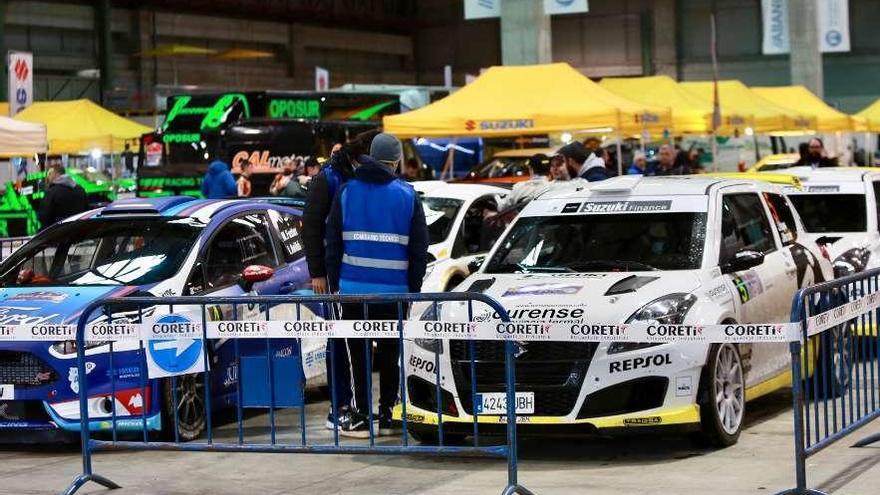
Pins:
x,y
560,297
38,305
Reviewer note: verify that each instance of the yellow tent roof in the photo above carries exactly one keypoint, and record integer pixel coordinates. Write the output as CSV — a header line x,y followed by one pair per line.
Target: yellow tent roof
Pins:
x,y
241,54
176,50
690,113
801,99
78,126
761,114
529,99
871,116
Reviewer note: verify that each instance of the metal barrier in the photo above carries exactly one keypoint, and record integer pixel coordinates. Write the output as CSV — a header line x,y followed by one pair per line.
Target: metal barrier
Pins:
x,y
835,366
9,245
141,330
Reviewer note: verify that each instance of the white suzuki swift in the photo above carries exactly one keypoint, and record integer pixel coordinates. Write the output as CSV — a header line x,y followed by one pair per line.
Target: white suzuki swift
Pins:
x,y
673,250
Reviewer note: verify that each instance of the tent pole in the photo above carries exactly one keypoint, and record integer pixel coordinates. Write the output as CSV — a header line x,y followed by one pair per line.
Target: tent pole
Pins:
x,y
619,155
869,150
714,143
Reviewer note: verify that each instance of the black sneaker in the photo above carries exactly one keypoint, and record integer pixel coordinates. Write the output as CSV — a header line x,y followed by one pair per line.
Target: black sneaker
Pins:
x,y
387,424
330,423
354,425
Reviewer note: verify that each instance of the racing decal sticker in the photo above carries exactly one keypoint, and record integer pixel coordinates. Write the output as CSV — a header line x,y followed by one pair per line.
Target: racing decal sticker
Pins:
x,y
73,376
571,207
529,276
806,261
543,290
640,363
18,315
418,364
823,189
748,284
650,420
683,386
547,313
7,392
718,293
625,206
55,297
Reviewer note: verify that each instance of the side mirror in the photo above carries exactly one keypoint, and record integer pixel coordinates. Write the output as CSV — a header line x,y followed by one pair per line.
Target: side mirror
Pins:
x,y
743,260
253,274
476,263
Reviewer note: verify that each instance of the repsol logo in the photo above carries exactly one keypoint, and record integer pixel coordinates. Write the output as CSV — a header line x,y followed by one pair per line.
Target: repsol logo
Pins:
x,y
505,124
418,363
640,363
753,330
675,330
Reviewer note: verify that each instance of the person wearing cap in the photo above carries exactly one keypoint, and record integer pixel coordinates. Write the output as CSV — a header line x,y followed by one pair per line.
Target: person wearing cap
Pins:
x,y
377,243
523,192
640,161
589,166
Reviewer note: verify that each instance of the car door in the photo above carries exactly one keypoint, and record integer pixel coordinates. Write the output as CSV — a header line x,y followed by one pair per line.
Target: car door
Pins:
x,y
759,290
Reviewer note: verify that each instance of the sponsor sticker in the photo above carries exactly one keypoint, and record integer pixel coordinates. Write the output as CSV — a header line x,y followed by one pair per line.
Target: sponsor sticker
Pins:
x,y
112,331
823,189
7,392
684,386
640,363
650,420
626,206
237,329
543,290
51,296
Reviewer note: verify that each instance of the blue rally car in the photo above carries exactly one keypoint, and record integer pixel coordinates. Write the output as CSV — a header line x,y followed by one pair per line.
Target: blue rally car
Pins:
x,y
139,247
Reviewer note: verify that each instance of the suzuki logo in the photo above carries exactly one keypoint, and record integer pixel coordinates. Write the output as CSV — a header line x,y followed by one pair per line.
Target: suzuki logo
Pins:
x,y
21,70
470,125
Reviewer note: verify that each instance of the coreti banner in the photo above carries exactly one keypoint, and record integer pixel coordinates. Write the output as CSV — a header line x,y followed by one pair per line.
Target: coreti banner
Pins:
x,y
832,19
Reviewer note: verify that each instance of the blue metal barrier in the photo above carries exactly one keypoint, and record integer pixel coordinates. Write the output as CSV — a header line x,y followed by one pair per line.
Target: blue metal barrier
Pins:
x,y
835,366
9,245
271,392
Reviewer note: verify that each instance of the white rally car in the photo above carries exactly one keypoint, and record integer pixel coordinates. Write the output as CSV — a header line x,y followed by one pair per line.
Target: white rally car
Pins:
x,y
839,206
672,250
456,215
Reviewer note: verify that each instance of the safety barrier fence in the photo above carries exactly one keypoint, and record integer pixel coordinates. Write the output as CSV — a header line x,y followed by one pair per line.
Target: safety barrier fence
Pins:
x,y
153,352
157,348
835,366
8,245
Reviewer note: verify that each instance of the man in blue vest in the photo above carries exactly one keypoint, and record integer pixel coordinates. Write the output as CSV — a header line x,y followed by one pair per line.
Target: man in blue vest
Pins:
x,y
322,190
377,243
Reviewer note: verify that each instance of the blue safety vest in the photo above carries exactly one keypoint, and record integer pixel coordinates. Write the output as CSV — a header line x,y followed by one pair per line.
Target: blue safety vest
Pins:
x,y
376,221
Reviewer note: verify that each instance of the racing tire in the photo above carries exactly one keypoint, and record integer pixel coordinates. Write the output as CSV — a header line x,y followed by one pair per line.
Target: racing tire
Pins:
x,y
190,408
429,435
722,396
834,363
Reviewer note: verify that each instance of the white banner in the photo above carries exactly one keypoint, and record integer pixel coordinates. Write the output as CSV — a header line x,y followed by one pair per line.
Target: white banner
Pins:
x,y
21,80
482,9
554,7
841,314
774,14
833,25
524,330
322,79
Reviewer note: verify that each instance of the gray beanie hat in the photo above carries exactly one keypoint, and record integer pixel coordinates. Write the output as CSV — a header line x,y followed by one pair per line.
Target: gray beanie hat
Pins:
x,y
386,148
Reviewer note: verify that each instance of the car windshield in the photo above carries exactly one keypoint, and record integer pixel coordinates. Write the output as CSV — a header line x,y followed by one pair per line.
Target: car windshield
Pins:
x,y
501,167
602,243
103,252
440,215
822,212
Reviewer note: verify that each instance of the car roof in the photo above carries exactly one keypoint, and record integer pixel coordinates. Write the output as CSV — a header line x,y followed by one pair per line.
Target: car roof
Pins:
x,y
524,152
440,189
637,185
203,210
828,174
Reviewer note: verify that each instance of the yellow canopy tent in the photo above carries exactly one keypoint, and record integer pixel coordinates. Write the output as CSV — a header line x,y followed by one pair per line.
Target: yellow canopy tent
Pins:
x,y
176,50
529,99
801,99
762,115
79,126
241,54
871,116
690,113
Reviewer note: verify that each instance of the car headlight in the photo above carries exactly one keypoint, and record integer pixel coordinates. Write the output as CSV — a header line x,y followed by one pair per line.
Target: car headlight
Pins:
x,y
667,310
431,345
851,261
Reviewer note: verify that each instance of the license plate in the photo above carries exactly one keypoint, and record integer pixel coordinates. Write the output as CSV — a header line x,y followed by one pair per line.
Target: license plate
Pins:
x,y
496,403
7,392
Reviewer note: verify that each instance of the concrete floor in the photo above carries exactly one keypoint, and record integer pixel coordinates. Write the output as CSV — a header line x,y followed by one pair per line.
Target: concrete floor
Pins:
x,y
760,463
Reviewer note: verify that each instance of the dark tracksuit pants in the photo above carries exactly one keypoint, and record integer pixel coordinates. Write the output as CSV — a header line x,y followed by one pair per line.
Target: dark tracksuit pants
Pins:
x,y
338,376
386,359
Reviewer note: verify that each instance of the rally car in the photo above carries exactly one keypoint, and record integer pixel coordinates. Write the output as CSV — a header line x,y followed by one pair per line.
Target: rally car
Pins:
x,y
839,206
458,230
675,250
505,168
161,247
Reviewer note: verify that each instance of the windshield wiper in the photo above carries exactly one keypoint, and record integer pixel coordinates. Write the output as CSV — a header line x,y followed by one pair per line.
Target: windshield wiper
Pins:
x,y
611,264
